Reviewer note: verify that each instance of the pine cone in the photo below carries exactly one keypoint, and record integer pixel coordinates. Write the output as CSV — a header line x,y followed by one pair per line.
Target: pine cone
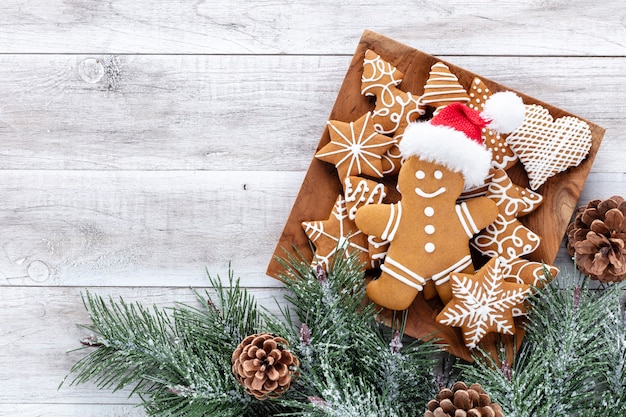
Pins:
x,y
596,238
264,366
461,401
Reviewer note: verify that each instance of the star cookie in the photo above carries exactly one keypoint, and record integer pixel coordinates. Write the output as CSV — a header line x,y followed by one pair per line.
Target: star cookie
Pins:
x,y
379,76
355,148
483,303
546,146
442,88
507,237
503,156
337,232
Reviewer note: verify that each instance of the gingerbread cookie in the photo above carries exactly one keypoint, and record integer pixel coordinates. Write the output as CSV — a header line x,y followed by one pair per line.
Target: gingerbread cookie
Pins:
x,y
483,303
527,272
394,111
531,200
337,232
507,237
377,249
359,192
355,148
441,156
379,76
391,160
427,249
502,155
546,146
442,88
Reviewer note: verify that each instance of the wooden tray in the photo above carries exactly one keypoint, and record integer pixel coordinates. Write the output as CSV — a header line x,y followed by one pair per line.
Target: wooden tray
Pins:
x,y
321,184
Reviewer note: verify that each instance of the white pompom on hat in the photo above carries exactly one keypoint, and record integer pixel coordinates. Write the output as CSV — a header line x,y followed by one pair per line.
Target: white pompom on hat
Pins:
x,y
453,137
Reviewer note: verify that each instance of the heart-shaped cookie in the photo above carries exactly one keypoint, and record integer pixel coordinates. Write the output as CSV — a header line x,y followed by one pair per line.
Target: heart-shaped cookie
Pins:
x,y
546,146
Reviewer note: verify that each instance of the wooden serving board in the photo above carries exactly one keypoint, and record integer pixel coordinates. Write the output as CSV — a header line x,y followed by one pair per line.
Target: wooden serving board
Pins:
x,y
321,184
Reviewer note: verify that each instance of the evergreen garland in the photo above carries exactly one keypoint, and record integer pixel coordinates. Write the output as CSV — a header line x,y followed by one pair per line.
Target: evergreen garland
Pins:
x,y
572,360
178,360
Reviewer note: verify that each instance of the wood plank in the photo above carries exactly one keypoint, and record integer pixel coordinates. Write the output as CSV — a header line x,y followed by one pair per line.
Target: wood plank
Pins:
x,y
128,228
140,228
40,329
160,112
312,27
71,410
237,112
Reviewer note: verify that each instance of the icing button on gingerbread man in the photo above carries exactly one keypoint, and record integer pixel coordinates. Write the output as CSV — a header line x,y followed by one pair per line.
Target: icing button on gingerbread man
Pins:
x,y
428,230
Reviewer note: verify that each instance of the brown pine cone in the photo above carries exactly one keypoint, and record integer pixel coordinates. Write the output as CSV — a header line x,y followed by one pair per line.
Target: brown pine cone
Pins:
x,y
461,401
264,366
596,239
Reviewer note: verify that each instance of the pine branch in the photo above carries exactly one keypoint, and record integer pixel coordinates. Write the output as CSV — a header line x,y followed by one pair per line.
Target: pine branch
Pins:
x,y
177,360
344,348
572,359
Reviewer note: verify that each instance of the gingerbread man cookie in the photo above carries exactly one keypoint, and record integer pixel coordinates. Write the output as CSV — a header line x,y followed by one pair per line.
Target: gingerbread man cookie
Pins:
x,y
426,249
428,231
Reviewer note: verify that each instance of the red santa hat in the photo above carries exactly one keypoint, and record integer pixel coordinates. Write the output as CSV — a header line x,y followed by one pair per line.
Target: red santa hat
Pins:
x,y
453,137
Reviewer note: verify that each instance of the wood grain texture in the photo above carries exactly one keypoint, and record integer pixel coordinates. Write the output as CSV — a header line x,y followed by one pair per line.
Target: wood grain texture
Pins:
x,y
162,228
539,27
204,110
72,410
143,142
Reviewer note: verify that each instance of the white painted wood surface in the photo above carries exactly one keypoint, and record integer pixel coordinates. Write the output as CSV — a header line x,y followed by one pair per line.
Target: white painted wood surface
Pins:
x,y
143,142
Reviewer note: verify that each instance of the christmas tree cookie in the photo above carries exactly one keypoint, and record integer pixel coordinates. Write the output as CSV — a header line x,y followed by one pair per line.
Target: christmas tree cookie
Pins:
x,y
442,88
379,76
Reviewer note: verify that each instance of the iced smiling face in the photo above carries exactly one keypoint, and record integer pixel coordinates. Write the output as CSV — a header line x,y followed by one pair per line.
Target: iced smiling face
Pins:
x,y
421,180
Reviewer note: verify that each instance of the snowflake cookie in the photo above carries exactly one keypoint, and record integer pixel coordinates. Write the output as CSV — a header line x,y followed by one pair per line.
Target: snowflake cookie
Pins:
x,y
483,303
337,232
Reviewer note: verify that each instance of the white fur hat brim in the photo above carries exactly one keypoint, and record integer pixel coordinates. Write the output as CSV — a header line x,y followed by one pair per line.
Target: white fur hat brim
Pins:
x,y
448,147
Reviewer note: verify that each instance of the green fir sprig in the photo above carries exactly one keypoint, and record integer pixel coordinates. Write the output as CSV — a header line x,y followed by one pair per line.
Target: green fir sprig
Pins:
x,y
178,360
572,361
352,364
